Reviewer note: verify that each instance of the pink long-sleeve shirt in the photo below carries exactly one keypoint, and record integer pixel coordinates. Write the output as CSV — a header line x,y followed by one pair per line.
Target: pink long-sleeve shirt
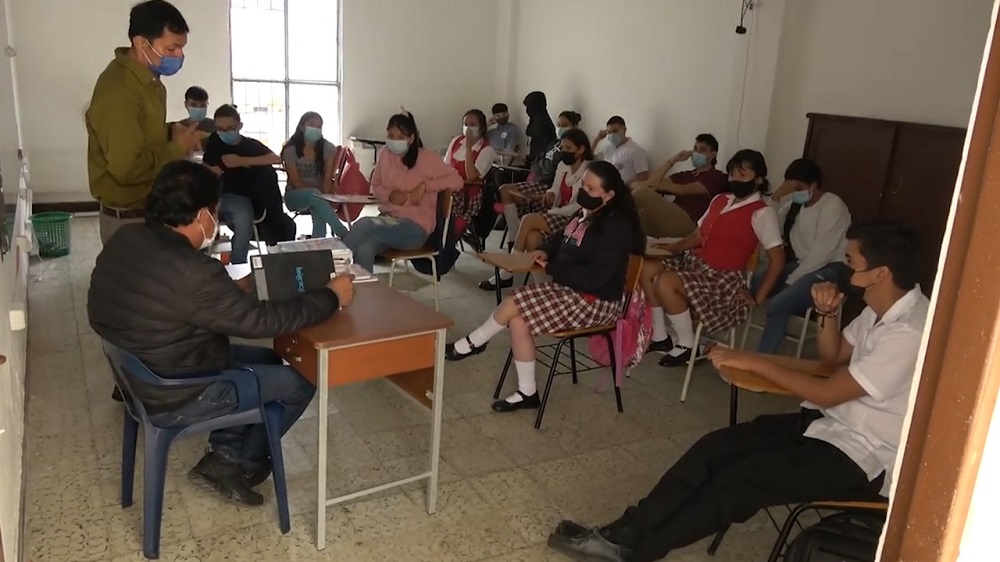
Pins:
x,y
391,174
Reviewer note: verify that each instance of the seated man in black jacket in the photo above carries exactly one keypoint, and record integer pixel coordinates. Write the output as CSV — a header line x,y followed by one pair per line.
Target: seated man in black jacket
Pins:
x,y
156,294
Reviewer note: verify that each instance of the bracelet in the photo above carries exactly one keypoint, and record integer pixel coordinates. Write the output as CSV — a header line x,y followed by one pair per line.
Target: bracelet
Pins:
x,y
822,314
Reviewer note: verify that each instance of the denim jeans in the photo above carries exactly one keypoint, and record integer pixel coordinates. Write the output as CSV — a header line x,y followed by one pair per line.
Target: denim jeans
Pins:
x,y
246,445
237,212
320,210
789,300
370,236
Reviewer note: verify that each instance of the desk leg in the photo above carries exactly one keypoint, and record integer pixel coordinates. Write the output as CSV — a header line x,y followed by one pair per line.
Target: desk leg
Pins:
x,y
322,373
437,409
496,283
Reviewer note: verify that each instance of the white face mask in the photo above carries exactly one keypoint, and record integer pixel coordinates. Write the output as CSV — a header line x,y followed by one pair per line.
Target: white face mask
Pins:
x,y
207,242
473,131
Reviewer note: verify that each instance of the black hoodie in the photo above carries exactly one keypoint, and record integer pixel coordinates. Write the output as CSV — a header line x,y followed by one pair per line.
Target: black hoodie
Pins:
x,y
540,130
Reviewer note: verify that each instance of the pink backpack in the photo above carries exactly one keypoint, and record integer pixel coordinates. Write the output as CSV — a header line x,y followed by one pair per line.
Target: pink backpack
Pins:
x,y
351,182
631,336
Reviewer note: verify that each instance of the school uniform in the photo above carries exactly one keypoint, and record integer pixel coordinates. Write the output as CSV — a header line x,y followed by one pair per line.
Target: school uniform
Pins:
x,y
544,170
629,158
714,274
469,201
844,453
565,186
588,265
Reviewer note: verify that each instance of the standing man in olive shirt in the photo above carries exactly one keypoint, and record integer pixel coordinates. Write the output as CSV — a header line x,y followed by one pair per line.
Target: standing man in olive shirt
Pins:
x,y
128,137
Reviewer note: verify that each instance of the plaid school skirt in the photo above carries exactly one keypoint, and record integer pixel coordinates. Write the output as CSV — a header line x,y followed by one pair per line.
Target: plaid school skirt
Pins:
x,y
556,224
550,307
530,188
716,296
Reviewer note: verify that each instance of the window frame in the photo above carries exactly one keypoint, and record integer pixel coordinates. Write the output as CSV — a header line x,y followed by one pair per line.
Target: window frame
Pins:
x,y
288,81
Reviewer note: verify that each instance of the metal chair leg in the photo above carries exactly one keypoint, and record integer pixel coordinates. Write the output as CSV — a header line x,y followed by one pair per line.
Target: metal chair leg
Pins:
x,y
572,359
803,333
434,272
734,397
496,284
614,372
503,375
691,362
548,383
392,271
712,548
786,530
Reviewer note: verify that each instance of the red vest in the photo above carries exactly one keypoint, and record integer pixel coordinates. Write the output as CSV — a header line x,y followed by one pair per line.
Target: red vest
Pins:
x,y
728,239
565,192
460,164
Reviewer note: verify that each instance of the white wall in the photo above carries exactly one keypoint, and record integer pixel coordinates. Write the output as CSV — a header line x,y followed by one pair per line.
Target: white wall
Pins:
x,y
910,60
671,69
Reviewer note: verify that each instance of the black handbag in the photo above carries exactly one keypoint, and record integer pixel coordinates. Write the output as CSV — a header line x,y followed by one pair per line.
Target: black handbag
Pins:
x,y
842,537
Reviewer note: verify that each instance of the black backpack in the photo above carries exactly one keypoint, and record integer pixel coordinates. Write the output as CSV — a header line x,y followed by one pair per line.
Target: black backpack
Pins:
x,y
842,537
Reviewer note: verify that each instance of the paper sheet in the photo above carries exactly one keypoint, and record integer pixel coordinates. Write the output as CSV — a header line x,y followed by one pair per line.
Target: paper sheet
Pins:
x,y
238,270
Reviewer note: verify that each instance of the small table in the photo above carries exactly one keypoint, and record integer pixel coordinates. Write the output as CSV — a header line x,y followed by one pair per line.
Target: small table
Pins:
x,y
513,262
747,380
347,199
383,333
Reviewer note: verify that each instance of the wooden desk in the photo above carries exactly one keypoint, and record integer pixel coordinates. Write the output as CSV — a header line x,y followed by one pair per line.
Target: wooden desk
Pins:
x,y
747,380
383,333
514,262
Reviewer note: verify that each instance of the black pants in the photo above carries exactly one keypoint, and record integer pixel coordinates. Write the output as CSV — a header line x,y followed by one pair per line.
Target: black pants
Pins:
x,y
731,474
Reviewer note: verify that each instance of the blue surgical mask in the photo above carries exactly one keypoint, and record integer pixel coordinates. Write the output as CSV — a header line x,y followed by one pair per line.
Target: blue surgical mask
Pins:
x,y
397,147
197,113
229,137
169,65
560,131
615,139
698,159
801,197
312,134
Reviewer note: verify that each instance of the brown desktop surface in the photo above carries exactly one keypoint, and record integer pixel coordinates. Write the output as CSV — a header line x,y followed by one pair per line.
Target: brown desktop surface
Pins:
x,y
514,262
753,382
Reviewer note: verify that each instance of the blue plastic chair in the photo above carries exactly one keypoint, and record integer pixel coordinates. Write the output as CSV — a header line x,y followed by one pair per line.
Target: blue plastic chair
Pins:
x,y
249,410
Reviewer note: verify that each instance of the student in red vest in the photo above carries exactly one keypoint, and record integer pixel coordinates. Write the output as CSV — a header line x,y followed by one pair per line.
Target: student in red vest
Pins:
x,y
560,201
707,272
588,265
471,154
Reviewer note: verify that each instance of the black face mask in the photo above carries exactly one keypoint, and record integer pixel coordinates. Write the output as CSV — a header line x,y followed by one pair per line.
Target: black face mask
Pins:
x,y
567,158
588,201
741,189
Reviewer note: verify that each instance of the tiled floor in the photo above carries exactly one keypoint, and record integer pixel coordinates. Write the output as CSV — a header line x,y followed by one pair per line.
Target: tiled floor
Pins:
x,y
504,484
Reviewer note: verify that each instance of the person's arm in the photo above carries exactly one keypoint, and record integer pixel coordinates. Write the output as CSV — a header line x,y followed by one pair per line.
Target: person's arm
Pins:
x,y
689,242
329,161
483,163
268,159
831,227
380,191
439,175
217,304
775,263
290,160
514,139
784,190
681,190
765,227
114,117
212,159
835,346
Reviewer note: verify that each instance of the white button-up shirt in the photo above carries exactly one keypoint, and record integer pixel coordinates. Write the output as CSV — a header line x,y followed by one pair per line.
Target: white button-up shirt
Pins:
x,y
883,362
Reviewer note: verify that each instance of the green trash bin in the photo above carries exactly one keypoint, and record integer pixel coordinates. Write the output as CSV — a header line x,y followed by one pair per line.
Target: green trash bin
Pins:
x,y
52,232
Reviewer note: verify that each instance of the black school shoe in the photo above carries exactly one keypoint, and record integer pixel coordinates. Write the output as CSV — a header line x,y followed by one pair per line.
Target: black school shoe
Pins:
x,y
257,477
490,285
676,360
527,403
451,354
225,478
585,544
661,346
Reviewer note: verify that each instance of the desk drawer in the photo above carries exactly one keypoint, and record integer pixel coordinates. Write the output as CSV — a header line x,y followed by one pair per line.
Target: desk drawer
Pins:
x,y
362,362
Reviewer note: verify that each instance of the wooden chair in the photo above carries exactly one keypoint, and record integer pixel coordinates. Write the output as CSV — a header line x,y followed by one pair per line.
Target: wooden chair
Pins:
x,y
570,337
696,352
431,248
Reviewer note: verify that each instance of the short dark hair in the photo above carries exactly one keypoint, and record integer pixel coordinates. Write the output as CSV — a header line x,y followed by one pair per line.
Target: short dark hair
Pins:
x,y
708,139
753,160
889,243
616,120
149,19
226,110
573,117
180,190
196,93
499,108
805,171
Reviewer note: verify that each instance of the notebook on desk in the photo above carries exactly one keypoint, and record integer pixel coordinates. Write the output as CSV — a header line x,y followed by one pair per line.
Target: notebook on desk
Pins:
x,y
284,276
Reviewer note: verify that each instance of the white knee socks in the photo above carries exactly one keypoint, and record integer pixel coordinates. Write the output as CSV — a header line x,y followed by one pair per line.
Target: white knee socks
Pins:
x,y
683,326
479,336
510,215
659,324
525,381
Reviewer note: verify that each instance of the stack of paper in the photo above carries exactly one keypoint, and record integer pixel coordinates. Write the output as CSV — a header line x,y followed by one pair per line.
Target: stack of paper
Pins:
x,y
361,275
340,250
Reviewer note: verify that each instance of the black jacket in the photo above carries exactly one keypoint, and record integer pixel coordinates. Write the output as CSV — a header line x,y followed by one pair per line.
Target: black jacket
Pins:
x,y
599,264
540,129
175,308
545,166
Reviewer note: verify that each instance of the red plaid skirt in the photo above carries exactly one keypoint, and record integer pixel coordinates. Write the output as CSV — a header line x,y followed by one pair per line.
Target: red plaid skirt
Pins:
x,y
556,223
716,296
530,188
549,307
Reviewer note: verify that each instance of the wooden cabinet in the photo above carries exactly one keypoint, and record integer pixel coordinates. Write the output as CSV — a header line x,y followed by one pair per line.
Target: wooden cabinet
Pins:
x,y
891,169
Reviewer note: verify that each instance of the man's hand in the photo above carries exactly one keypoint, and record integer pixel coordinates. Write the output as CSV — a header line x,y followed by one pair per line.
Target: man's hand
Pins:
x,y
188,137
540,257
418,192
343,287
233,161
749,299
603,134
548,199
681,156
722,356
827,298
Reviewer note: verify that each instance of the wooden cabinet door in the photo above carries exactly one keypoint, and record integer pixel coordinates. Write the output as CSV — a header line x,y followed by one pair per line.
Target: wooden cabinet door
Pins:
x,y
920,187
854,155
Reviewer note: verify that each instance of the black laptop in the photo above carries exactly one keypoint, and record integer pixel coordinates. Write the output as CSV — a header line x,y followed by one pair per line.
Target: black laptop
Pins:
x,y
284,276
